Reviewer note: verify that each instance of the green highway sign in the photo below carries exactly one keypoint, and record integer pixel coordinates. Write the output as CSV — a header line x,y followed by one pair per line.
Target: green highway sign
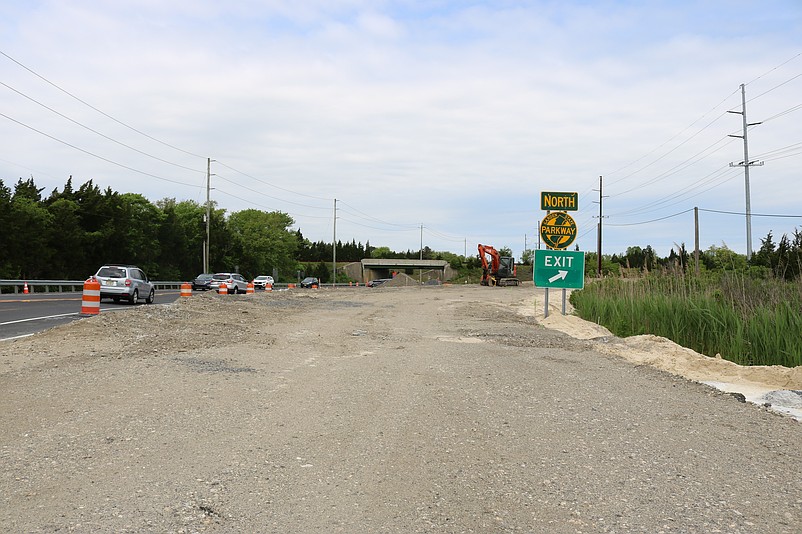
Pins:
x,y
559,201
560,269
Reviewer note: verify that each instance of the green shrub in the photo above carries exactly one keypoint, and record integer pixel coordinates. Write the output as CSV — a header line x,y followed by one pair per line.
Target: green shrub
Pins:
x,y
750,321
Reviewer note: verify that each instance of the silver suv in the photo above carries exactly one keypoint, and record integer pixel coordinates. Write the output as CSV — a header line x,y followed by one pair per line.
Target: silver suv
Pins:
x,y
235,283
125,282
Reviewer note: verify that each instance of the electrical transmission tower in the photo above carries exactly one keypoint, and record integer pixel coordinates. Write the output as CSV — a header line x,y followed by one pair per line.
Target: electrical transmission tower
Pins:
x,y
746,164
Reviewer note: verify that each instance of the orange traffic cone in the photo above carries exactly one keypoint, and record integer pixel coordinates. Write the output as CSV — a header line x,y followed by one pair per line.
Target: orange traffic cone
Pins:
x,y
25,288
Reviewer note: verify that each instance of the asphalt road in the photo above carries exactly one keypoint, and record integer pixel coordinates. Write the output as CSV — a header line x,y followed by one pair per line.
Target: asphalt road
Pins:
x,y
22,315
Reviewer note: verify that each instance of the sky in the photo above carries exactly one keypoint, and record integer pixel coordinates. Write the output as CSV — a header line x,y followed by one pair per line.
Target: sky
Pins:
x,y
436,122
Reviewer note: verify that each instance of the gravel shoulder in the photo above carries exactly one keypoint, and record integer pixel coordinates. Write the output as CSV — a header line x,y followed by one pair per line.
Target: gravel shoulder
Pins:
x,y
438,409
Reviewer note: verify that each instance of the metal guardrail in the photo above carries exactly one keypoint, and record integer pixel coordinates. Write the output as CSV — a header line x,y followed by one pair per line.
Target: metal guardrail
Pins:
x,y
74,286
67,286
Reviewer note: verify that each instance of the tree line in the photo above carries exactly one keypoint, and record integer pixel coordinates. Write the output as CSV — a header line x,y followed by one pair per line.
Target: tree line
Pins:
x,y
71,232
782,259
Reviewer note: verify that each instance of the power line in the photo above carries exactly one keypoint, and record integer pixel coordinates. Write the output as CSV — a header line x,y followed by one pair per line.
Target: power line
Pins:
x,y
376,228
780,114
370,217
98,110
773,215
96,155
653,220
268,208
99,133
775,68
680,195
273,185
681,166
775,87
268,196
671,139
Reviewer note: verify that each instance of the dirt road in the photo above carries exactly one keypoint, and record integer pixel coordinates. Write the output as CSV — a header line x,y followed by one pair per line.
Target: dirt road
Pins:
x,y
389,410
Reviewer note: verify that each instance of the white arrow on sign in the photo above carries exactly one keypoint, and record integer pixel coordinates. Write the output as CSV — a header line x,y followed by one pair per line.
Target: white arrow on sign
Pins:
x,y
559,275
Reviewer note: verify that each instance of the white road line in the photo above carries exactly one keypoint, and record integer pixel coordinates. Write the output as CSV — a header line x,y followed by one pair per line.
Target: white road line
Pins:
x,y
38,318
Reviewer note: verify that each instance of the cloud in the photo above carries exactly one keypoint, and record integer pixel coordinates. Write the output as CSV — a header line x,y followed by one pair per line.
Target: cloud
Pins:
x,y
438,113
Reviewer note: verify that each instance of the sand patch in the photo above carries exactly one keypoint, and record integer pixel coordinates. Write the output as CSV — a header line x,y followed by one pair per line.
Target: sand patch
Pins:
x,y
762,384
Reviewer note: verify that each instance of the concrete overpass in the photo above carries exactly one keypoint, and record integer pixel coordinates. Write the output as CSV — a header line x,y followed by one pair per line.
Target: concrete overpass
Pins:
x,y
373,269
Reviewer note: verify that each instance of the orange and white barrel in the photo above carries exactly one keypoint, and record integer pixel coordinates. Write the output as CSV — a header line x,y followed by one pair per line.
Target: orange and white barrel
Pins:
x,y
290,286
249,289
268,287
223,289
90,302
186,289
314,286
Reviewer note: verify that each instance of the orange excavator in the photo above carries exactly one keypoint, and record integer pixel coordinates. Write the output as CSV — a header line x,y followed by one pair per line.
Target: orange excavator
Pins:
x,y
501,270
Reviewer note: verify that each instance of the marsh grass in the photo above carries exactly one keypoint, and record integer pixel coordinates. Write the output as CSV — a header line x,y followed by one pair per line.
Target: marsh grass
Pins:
x,y
745,320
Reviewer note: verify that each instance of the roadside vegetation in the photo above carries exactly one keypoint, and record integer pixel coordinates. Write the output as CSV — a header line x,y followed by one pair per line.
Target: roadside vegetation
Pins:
x,y
749,312
69,233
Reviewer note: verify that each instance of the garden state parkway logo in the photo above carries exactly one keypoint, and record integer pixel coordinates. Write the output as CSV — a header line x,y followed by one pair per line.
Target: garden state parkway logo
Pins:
x,y
558,230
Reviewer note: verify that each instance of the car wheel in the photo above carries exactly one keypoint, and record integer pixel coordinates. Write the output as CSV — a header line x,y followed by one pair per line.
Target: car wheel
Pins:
x,y
151,296
135,297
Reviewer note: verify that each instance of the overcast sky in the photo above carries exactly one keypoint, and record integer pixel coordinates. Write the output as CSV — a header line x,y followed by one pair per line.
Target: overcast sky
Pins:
x,y
453,115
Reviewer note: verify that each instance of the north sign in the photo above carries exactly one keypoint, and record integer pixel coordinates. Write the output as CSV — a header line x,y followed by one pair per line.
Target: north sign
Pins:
x,y
558,230
559,201
560,269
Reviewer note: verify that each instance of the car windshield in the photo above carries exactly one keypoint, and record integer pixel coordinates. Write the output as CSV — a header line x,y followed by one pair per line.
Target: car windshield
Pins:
x,y
261,278
111,272
204,277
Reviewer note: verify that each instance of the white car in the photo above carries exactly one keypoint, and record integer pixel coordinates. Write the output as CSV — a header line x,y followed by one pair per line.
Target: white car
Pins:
x,y
261,282
234,282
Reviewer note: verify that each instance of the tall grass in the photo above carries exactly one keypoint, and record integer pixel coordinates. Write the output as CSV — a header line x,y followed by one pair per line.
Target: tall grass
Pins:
x,y
748,321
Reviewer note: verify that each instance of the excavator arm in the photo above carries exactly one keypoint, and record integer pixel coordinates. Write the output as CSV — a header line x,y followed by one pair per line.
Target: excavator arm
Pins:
x,y
499,271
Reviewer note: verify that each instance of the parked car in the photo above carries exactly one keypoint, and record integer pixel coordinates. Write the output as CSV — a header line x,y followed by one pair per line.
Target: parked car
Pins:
x,y
310,281
201,282
234,282
128,282
261,282
377,283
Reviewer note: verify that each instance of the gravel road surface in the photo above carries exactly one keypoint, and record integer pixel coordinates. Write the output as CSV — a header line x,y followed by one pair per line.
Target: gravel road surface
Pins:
x,y
388,410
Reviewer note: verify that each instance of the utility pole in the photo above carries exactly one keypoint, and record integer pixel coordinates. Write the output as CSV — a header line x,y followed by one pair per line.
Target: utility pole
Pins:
x,y
420,271
208,215
334,249
522,255
599,232
421,242
746,164
696,239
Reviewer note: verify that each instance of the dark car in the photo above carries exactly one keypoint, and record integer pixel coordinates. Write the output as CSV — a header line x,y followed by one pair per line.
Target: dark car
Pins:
x,y
201,282
310,281
377,283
